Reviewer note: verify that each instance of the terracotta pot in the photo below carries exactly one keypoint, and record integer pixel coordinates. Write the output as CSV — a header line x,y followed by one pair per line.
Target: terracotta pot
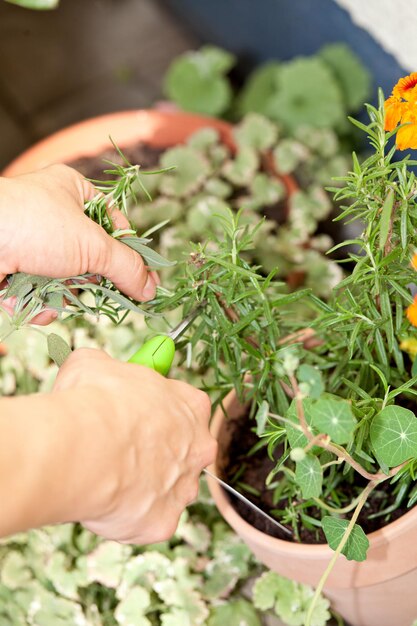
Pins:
x,y
89,138
381,591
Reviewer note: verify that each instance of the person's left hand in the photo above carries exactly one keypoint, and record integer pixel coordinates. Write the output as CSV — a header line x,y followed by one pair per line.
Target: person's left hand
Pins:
x,y
44,231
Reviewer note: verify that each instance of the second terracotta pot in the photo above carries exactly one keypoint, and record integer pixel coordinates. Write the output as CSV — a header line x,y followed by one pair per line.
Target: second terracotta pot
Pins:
x,y
381,591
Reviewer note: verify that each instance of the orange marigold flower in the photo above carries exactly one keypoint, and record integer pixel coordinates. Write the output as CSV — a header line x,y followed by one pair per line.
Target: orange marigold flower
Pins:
x,y
394,110
411,312
414,261
406,88
407,135
401,108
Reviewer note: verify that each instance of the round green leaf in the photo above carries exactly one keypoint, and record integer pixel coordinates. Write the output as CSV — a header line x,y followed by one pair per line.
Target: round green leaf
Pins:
x,y
296,438
308,95
394,435
309,476
335,418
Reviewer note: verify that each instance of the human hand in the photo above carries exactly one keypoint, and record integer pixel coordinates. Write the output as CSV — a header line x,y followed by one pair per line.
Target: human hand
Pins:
x,y
44,231
145,444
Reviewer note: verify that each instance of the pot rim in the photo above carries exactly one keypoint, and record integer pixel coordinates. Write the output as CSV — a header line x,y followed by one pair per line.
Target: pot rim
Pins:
x,y
125,127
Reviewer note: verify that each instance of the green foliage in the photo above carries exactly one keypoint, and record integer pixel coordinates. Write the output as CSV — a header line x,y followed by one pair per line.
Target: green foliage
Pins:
x,y
289,600
58,349
346,387
307,95
36,4
348,70
357,543
394,435
208,178
333,417
196,81
317,91
309,476
237,613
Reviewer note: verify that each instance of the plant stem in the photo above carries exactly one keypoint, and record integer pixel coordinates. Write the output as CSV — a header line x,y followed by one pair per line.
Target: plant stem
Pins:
x,y
363,497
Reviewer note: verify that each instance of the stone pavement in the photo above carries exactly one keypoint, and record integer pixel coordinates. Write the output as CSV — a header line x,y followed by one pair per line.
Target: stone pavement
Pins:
x,y
86,58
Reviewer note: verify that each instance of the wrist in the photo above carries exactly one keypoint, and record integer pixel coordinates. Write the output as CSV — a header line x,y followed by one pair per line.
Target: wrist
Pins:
x,y
9,223
47,475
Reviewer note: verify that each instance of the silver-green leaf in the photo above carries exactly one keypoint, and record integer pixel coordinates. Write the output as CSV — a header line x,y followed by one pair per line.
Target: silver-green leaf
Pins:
x,y
58,349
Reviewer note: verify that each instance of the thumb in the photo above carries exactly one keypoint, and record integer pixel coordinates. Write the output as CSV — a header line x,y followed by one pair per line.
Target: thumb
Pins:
x,y
123,266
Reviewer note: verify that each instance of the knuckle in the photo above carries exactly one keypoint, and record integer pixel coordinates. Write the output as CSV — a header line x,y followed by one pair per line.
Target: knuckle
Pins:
x,y
204,403
167,529
210,452
192,493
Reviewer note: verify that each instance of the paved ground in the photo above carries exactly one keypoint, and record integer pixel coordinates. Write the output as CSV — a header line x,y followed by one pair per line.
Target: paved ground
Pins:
x,y
88,57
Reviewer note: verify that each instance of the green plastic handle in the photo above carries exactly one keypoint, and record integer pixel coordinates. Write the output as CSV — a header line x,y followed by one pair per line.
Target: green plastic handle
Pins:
x,y
157,354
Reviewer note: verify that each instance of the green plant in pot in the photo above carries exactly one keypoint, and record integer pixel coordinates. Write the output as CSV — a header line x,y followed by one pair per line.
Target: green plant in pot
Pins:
x,y
322,430
209,178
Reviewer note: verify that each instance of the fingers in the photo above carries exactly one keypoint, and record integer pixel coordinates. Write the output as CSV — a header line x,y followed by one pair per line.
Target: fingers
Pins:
x,y
45,318
121,222
74,367
124,267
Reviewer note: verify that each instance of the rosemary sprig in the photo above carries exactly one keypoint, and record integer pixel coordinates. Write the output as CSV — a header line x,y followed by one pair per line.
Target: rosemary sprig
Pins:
x,y
67,295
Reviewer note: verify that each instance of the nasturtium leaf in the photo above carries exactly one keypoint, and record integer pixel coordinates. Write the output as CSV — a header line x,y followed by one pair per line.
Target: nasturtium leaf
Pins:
x,y
234,613
261,417
309,476
357,544
312,376
296,438
394,435
335,418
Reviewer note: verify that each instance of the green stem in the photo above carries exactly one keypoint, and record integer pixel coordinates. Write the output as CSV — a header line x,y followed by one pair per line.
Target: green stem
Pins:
x,y
363,497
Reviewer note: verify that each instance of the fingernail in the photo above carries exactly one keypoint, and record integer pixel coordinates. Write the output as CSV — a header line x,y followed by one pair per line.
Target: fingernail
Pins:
x,y
149,289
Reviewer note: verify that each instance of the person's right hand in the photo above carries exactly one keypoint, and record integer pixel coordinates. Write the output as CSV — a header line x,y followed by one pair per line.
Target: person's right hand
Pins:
x,y
146,441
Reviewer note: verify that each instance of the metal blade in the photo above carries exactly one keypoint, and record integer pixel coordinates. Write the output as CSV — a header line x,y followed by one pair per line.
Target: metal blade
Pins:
x,y
248,502
176,332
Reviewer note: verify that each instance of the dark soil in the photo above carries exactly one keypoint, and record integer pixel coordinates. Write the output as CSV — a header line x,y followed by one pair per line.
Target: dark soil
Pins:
x,y
256,469
142,154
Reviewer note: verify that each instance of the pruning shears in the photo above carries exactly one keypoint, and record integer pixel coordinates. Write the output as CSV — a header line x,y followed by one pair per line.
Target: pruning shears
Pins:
x,y
158,354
